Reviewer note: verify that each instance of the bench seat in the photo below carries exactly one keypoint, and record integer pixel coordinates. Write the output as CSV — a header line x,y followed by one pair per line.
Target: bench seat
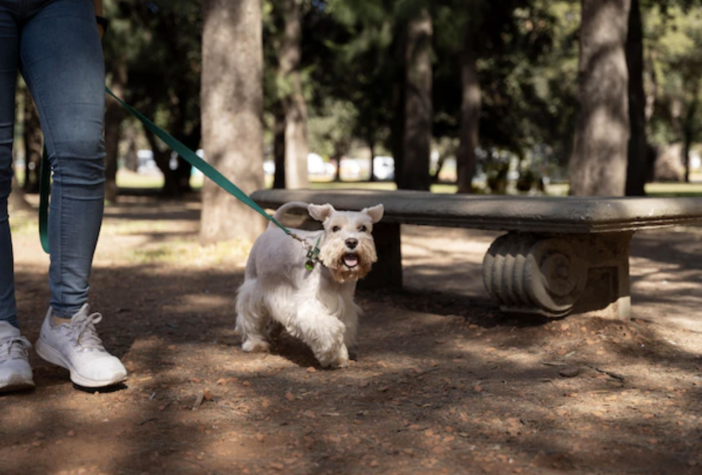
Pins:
x,y
559,255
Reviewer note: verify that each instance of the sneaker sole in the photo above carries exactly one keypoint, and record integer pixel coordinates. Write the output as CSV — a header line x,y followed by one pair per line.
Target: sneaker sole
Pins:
x,y
16,383
52,355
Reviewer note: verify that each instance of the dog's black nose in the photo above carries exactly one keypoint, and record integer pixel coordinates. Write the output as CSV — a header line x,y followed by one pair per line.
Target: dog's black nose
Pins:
x,y
351,243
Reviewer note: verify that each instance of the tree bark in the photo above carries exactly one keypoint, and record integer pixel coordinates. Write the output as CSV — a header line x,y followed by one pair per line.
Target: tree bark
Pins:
x,y
637,152
232,115
162,159
296,147
371,149
598,163
279,144
688,128
414,174
131,162
114,114
397,126
470,114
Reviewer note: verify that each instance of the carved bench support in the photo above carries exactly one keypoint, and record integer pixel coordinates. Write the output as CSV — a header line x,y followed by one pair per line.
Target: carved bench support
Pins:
x,y
556,274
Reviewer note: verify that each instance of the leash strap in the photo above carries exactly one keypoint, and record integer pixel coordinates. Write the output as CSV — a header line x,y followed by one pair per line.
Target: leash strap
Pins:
x,y
191,157
44,192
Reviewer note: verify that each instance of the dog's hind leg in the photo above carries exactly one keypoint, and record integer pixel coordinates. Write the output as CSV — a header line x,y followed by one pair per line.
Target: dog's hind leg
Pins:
x,y
252,318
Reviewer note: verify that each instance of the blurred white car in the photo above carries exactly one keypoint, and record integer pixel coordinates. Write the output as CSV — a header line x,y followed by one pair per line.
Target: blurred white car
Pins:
x,y
384,168
318,168
269,167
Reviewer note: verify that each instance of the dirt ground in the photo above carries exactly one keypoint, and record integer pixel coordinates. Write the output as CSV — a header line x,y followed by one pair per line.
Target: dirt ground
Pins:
x,y
443,383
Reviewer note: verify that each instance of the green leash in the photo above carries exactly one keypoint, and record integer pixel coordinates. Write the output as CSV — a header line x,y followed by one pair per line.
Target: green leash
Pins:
x,y
44,191
191,157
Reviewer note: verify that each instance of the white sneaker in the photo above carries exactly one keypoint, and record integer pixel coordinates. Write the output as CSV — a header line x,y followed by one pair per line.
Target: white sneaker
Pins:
x,y
77,347
15,372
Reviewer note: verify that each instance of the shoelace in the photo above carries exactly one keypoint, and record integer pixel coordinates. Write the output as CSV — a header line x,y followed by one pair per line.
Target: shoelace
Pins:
x,y
83,331
9,350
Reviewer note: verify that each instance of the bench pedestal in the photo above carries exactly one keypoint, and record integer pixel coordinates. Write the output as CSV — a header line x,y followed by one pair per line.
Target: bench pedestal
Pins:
x,y
527,273
556,275
387,272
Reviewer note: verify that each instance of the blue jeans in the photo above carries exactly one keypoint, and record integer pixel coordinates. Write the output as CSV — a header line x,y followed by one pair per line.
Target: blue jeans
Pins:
x,y
56,46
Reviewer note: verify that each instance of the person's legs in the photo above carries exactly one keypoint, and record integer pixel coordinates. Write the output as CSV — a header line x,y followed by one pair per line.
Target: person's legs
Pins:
x,y
9,39
15,372
61,60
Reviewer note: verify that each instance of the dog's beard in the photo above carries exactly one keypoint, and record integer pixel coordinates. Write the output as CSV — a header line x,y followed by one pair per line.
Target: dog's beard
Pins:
x,y
345,264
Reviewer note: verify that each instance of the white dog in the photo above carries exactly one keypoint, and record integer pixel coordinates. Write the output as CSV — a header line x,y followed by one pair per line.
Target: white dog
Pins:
x,y
314,305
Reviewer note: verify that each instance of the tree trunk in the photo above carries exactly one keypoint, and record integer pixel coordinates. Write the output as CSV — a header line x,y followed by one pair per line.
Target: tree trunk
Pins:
x,y
131,162
162,159
636,166
397,126
33,145
114,114
232,115
414,174
279,144
470,114
652,92
190,136
688,131
371,148
687,142
598,163
296,148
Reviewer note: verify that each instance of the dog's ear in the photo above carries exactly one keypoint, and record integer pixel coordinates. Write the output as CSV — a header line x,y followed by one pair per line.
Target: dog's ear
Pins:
x,y
376,212
320,212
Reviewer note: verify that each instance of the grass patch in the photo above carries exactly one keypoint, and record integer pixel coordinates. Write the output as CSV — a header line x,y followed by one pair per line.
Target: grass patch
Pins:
x,y
130,228
189,252
674,190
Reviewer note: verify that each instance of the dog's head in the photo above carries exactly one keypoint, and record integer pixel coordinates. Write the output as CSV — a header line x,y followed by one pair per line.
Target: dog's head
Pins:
x,y
348,250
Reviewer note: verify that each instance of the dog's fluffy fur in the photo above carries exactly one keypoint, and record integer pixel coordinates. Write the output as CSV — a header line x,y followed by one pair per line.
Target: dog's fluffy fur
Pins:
x,y
316,306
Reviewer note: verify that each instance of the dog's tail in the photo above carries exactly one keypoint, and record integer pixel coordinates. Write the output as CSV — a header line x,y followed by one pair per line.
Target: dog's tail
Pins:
x,y
280,212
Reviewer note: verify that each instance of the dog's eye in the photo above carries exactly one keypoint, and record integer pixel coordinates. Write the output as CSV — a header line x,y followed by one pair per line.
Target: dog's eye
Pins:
x,y
362,229
335,229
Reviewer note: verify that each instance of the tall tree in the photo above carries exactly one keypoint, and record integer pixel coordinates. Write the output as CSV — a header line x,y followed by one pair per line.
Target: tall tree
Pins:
x,y
414,172
114,115
599,160
279,144
470,106
150,36
637,157
296,148
232,109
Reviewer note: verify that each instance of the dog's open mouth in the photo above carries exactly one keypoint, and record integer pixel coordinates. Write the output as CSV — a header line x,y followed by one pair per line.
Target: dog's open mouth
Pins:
x,y
350,260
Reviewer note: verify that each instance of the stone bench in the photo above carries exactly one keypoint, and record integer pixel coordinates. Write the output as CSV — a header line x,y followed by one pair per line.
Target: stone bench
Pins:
x,y
560,255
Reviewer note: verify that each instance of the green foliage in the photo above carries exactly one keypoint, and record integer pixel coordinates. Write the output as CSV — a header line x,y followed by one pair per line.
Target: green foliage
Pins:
x,y
674,43
353,70
329,128
159,45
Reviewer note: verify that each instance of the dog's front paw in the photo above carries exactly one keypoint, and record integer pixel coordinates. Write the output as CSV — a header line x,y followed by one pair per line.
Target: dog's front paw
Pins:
x,y
335,359
255,346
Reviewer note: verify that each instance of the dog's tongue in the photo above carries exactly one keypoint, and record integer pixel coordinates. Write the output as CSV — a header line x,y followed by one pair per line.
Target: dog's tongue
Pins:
x,y
350,260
